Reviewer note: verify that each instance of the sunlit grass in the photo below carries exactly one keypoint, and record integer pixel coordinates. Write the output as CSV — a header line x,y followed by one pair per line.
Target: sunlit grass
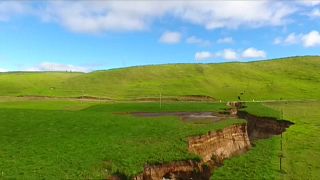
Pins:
x,y
301,148
93,143
290,78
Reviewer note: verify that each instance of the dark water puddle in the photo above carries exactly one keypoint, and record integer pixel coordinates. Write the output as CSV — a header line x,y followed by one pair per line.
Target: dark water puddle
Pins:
x,y
195,117
258,127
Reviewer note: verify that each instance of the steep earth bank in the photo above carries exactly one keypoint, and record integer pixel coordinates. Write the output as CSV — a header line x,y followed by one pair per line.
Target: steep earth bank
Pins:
x,y
214,147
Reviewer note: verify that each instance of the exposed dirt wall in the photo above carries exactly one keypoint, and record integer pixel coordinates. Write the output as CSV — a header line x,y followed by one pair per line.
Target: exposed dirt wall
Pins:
x,y
213,148
222,144
263,127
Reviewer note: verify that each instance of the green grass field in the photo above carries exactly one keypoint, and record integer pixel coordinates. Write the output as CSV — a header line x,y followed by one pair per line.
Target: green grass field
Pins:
x,y
72,139
51,142
289,78
44,139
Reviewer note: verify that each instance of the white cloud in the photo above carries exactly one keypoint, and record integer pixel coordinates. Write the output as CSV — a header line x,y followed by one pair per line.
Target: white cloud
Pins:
x,y
309,2
315,13
102,16
198,41
308,40
3,70
47,66
277,40
311,39
231,14
12,8
203,55
170,38
229,54
253,53
292,38
226,40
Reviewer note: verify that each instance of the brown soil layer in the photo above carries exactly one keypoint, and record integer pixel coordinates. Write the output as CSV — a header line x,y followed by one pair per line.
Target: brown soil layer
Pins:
x,y
176,170
213,147
80,98
189,98
263,127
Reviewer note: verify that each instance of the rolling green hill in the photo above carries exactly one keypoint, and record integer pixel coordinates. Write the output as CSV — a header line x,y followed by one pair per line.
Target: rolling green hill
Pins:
x,y
288,78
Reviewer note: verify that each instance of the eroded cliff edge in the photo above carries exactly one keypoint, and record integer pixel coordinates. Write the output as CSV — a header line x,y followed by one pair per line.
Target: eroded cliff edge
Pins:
x,y
215,147
221,144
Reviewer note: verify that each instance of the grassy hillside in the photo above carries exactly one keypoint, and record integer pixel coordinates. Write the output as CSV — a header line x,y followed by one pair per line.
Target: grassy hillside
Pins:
x,y
32,83
289,78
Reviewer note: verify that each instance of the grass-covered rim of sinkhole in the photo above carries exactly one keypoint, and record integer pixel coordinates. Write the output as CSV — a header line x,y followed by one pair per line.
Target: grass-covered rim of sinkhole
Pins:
x,y
52,140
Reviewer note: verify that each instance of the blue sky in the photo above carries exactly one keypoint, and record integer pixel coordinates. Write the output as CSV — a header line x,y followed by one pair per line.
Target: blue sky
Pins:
x,y
92,35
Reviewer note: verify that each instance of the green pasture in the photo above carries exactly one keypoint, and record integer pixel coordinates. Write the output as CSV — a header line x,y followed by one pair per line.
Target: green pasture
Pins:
x,y
289,78
44,140
45,134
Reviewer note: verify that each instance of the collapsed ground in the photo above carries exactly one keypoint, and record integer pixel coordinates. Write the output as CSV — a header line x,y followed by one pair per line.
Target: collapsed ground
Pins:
x,y
73,140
